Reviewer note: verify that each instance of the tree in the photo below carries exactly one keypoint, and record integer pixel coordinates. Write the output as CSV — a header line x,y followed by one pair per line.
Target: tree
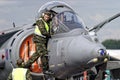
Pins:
x,y
111,44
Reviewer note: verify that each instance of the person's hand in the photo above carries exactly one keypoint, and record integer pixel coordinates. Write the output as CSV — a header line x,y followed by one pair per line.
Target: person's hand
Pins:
x,y
49,36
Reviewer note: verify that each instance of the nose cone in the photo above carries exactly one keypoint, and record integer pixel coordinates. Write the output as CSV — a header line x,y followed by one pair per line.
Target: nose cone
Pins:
x,y
82,50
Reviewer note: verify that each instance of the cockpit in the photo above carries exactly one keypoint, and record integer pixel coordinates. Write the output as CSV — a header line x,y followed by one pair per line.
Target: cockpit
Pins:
x,y
64,18
66,21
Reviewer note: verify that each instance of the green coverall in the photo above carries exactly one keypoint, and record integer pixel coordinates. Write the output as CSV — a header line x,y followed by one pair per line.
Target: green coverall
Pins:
x,y
41,44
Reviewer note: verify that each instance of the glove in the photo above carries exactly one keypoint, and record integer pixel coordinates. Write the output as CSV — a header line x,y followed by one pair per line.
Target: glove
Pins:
x,y
48,36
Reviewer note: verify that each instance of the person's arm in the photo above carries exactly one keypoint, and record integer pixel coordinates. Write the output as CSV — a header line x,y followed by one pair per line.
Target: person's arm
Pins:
x,y
41,27
9,77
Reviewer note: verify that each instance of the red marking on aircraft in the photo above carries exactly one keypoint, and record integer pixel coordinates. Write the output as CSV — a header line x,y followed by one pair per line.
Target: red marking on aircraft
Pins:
x,y
3,56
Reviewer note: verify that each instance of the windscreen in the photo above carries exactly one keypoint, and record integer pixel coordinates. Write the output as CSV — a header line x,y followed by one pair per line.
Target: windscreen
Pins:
x,y
66,21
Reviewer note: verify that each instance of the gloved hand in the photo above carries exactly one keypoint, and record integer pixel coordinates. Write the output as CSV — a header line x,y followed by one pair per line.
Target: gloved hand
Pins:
x,y
48,36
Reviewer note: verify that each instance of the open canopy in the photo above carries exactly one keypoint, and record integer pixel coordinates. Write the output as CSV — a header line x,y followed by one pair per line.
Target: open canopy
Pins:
x,y
64,18
54,6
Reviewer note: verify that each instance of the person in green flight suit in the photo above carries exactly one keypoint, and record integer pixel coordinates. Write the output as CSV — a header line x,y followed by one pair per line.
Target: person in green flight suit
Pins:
x,y
20,73
42,33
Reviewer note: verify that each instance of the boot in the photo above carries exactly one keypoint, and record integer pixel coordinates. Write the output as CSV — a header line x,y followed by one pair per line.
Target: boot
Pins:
x,y
44,63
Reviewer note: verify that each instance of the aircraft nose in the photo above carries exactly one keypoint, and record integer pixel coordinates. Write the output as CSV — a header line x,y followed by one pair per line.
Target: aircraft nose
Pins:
x,y
82,48
88,50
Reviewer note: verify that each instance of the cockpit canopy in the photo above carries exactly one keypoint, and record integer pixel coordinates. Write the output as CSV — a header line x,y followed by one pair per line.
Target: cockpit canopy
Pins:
x,y
64,18
66,21
55,7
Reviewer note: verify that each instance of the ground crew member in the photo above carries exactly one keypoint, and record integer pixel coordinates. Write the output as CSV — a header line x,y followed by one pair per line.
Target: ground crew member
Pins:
x,y
20,73
42,33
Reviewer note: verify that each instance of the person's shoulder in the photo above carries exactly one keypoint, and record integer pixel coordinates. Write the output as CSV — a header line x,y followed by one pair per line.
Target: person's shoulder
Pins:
x,y
39,21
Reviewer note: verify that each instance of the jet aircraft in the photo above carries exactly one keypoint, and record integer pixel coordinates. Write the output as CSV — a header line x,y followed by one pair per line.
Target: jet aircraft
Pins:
x,y
71,50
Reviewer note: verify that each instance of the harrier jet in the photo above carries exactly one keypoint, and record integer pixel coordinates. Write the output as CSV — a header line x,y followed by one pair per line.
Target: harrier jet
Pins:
x,y
71,50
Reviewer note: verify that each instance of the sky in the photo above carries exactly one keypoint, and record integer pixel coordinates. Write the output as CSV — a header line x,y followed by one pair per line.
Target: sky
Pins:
x,y
23,12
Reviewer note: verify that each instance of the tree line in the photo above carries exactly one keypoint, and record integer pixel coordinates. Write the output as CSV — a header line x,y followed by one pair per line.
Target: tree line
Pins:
x,y
111,44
